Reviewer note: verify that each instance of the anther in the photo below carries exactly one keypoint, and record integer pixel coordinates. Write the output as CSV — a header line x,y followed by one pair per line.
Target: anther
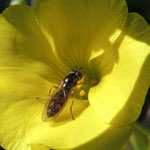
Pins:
x,y
93,81
82,93
79,85
85,76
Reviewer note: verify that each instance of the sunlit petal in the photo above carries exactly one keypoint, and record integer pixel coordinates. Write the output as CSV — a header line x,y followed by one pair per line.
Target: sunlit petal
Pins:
x,y
125,74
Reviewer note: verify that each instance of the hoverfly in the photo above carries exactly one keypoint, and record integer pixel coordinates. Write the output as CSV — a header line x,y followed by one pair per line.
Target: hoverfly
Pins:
x,y
59,98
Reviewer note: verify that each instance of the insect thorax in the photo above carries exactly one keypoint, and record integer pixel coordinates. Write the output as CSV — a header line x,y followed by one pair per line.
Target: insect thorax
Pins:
x,y
70,81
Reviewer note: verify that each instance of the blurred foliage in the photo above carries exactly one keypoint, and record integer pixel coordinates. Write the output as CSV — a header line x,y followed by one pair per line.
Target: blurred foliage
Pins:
x,y
4,4
140,138
140,6
145,115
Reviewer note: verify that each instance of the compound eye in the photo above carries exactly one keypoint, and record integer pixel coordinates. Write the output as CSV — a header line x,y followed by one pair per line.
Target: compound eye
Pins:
x,y
79,75
71,72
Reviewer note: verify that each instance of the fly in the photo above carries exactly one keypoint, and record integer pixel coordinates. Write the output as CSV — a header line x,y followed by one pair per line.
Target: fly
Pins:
x,y
59,98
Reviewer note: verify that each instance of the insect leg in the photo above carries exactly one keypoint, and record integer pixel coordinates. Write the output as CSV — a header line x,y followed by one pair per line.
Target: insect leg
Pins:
x,y
80,83
82,93
39,98
71,109
47,96
54,86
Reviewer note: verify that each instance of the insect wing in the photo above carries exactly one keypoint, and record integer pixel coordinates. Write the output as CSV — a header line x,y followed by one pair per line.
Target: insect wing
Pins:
x,y
54,105
44,114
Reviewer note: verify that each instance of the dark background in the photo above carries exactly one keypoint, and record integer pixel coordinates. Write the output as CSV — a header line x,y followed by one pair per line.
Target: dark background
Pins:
x,y
143,8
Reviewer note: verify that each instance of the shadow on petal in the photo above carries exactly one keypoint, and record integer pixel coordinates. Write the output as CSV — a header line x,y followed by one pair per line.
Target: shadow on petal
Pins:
x,y
125,75
106,61
65,116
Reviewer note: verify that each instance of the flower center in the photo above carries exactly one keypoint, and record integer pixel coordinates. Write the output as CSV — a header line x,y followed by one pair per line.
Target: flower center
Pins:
x,y
83,87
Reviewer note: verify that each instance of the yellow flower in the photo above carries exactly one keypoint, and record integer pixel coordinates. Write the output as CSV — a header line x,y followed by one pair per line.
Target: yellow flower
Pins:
x,y
38,46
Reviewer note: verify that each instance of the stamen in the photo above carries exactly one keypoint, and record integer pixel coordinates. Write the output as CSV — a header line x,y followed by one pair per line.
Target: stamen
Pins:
x,y
94,81
85,76
82,93
83,86
79,84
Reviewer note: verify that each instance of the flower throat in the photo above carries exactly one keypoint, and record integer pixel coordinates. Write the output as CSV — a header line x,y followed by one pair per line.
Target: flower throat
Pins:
x,y
83,86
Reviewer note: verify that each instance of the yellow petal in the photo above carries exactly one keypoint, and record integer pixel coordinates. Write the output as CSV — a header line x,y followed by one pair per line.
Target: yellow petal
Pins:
x,y
23,45
78,28
21,126
125,74
18,105
39,147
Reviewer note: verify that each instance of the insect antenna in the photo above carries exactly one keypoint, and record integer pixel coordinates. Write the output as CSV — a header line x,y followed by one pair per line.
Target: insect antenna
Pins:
x,y
76,68
80,68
